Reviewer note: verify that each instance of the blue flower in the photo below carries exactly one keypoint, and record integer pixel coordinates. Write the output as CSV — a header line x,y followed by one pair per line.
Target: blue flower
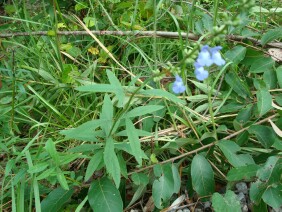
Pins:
x,y
178,86
204,57
207,56
200,72
216,57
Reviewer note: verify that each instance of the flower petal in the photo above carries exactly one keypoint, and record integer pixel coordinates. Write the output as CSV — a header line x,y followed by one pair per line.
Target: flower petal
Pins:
x,y
204,57
178,86
201,74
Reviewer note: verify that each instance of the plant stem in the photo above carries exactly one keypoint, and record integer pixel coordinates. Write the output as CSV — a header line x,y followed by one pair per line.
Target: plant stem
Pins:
x,y
210,108
215,12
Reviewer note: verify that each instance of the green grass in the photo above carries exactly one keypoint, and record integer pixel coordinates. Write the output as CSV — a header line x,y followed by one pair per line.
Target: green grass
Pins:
x,y
63,107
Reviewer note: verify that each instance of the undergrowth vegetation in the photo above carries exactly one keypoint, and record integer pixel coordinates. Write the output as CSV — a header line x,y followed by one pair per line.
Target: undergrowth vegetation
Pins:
x,y
151,105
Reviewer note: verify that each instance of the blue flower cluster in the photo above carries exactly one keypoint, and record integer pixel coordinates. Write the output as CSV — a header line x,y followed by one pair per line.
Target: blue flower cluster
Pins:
x,y
207,57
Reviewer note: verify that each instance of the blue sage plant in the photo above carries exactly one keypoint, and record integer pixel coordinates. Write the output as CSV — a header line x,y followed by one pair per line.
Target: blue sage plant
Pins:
x,y
207,57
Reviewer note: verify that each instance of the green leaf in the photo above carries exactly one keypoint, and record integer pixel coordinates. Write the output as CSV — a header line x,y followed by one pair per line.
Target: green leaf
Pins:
x,y
62,179
161,93
80,5
163,187
228,203
89,21
243,173
202,176
56,199
105,88
264,134
107,114
271,35
74,52
271,170
85,148
143,110
251,56
268,174
260,207
44,74
236,54
122,165
10,8
262,64
46,174
37,168
93,164
119,92
245,114
256,191
239,86
279,75
111,161
176,178
264,103
51,149
68,158
137,131
270,79
273,196
103,196
204,87
70,71
85,132
138,193
140,178
230,149
134,141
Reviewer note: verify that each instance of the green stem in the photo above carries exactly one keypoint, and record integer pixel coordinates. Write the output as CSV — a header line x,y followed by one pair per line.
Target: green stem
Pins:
x,y
127,106
190,19
155,37
13,91
210,108
55,5
215,12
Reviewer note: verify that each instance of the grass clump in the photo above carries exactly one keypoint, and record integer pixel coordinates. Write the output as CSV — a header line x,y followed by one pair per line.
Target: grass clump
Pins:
x,y
113,105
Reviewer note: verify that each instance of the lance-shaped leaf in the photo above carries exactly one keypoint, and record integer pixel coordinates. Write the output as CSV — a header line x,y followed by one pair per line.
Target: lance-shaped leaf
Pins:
x,y
111,161
86,131
93,164
143,110
107,114
134,141
264,103
114,87
56,199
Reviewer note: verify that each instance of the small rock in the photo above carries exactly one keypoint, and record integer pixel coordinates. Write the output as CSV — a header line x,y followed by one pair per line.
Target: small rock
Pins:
x,y
207,204
242,187
245,208
199,210
277,209
241,197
